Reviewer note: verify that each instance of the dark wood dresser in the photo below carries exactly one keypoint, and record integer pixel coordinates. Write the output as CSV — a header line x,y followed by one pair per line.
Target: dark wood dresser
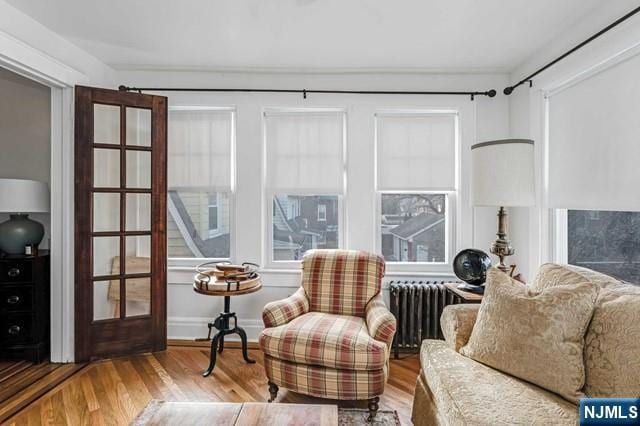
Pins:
x,y
24,307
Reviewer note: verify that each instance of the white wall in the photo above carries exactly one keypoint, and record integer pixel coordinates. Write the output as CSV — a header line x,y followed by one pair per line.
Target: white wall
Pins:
x,y
25,132
32,50
482,119
531,228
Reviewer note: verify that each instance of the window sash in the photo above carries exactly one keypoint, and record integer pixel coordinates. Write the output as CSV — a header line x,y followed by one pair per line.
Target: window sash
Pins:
x,y
226,185
451,217
269,259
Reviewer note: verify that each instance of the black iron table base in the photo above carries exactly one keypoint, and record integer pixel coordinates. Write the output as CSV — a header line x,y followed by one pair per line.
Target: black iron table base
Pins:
x,y
222,325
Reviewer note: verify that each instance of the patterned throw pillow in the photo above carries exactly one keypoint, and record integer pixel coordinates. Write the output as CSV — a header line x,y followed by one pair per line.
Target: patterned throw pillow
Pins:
x,y
612,353
535,336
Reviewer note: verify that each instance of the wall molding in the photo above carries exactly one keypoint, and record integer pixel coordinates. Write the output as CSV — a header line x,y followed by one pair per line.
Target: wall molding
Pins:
x,y
32,63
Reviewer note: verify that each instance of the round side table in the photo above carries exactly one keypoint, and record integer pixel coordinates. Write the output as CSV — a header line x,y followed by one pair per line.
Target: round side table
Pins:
x,y
221,323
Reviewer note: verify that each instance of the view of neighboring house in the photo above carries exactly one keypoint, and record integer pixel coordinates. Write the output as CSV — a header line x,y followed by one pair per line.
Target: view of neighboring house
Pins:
x,y
606,241
198,224
303,222
413,228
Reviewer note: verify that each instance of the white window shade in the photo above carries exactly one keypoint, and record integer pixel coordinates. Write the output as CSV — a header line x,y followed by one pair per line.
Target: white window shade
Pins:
x,y
416,152
305,152
594,141
200,149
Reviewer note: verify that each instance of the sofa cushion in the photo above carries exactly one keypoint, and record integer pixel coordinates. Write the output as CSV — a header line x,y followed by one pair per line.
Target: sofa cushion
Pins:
x,y
612,344
553,274
335,341
466,392
524,333
341,282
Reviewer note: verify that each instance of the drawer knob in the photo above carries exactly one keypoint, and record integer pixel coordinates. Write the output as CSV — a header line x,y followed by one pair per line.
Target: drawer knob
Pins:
x,y
14,330
13,300
14,272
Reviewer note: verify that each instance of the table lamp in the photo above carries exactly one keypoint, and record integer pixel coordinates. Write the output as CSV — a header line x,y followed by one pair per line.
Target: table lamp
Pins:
x,y
502,173
18,197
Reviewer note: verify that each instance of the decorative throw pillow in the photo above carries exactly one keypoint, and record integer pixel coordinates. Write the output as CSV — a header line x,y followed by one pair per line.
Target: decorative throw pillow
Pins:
x,y
612,352
535,336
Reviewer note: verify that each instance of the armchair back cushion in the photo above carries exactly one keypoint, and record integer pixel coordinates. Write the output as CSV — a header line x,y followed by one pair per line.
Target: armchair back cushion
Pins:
x,y
341,281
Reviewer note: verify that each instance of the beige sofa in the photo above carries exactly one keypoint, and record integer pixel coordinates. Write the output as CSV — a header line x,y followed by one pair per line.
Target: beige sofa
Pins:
x,y
455,390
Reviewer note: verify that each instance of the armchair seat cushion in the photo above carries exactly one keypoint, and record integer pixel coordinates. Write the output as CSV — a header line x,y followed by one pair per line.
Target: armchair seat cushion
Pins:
x,y
327,340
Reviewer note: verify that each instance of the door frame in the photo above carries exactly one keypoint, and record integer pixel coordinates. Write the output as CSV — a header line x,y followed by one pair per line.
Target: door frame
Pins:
x,y
35,65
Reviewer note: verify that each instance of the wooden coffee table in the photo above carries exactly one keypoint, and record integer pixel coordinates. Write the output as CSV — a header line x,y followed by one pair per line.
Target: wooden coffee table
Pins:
x,y
241,414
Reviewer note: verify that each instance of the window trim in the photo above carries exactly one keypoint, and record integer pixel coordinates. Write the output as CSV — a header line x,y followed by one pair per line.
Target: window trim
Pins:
x,y
180,263
560,233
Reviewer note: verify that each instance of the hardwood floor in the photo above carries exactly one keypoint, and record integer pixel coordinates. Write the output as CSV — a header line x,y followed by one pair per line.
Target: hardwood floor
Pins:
x,y
113,392
22,382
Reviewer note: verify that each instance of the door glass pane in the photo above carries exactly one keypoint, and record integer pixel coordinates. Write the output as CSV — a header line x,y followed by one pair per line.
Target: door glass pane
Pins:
x,y
138,292
138,254
106,212
138,127
106,124
106,168
105,255
106,299
138,169
138,212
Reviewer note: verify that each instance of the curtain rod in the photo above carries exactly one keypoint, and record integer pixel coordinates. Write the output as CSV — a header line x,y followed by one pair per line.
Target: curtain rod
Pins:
x,y
527,79
490,93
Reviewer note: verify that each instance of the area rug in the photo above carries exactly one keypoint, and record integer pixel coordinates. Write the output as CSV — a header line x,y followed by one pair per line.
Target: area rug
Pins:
x,y
358,416
346,416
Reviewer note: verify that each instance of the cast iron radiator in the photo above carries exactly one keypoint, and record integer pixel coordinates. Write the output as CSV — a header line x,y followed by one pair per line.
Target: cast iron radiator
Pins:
x,y
417,306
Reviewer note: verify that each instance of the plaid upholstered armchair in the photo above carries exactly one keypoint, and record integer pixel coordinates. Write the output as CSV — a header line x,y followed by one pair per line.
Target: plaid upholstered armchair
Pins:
x,y
332,337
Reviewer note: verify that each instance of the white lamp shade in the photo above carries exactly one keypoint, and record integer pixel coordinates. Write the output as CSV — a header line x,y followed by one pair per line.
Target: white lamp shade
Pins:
x,y
23,196
502,173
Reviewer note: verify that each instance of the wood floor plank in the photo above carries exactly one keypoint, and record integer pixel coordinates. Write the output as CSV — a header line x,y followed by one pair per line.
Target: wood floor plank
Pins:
x,y
113,392
10,368
55,375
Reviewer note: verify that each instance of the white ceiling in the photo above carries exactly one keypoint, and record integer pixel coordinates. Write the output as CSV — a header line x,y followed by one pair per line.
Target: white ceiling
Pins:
x,y
473,35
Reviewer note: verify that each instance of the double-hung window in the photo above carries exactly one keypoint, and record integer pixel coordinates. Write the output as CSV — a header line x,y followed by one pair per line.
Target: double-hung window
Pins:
x,y
416,184
304,181
200,184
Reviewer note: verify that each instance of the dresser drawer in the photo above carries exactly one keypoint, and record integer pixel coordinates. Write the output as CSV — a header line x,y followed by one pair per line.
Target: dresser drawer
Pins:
x,y
16,298
15,271
16,328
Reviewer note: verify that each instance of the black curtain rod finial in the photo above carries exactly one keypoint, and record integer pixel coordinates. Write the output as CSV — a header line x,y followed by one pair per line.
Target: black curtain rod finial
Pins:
x,y
508,90
491,93
123,88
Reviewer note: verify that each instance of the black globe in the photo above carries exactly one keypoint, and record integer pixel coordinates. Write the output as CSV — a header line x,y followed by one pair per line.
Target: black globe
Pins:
x,y
471,266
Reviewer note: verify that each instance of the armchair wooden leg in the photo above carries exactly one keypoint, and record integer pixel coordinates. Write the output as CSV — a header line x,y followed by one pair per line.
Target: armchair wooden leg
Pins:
x,y
273,391
373,408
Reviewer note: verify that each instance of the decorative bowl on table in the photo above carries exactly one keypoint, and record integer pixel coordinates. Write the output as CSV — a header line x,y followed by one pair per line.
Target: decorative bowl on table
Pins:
x,y
224,276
